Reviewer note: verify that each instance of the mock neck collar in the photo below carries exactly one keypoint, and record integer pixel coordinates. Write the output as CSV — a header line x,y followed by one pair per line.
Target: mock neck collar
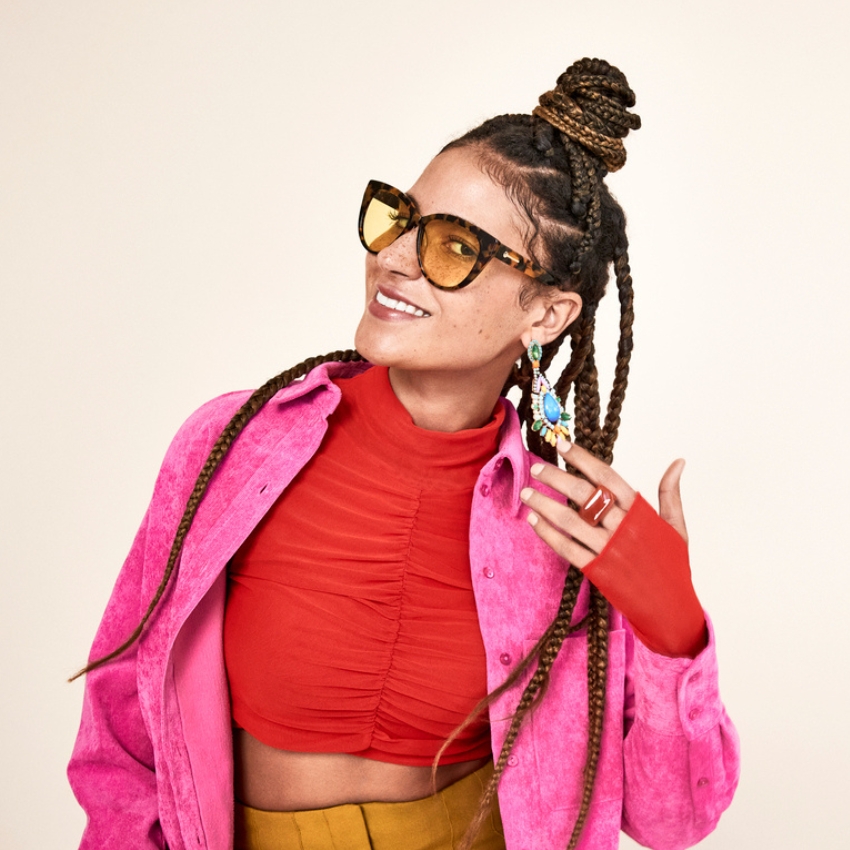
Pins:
x,y
385,425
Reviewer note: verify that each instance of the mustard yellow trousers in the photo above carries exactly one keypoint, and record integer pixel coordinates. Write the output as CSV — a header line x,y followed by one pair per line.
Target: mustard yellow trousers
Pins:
x,y
433,823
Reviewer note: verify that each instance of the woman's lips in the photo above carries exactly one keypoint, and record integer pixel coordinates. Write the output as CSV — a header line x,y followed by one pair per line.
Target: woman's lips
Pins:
x,y
390,306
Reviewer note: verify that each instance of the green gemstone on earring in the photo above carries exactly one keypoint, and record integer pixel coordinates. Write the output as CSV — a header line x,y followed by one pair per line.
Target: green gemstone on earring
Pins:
x,y
536,425
534,351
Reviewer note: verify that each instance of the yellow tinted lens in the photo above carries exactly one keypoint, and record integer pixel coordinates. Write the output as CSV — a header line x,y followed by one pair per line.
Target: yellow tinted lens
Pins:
x,y
449,252
385,219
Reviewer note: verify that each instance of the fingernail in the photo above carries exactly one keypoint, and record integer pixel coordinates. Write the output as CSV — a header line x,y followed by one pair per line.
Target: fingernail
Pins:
x,y
532,519
525,493
537,468
564,445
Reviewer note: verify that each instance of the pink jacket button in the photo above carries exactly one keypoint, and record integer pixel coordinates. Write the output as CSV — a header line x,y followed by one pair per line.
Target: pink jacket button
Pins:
x,y
694,713
505,658
513,761
484,489
489,572
702,782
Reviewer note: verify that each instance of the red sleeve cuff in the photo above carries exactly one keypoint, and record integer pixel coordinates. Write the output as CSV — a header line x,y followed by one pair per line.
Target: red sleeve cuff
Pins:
x,y
644,572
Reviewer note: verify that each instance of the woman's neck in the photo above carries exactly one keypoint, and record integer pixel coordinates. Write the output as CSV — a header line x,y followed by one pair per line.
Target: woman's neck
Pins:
x,y
441,401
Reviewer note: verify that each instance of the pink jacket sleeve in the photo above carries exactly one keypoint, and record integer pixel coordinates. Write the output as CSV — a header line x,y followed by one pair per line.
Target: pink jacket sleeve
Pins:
x,y
681,751
112,770
112,766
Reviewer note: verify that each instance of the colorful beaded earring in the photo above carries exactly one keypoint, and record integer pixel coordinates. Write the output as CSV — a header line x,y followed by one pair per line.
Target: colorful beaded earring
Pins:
x,y
550,418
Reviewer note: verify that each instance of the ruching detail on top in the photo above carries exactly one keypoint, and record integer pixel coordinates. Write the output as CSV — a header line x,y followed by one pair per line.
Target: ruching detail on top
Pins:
x,y
351,624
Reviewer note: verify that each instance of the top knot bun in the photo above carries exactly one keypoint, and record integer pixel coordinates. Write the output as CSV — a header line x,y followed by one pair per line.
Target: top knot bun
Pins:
x,y
589,105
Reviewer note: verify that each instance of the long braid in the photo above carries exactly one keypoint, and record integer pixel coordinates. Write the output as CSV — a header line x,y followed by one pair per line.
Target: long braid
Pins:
x,y
587,432
590,435
597,669
586,199
222,445
581,341
624,353
544,652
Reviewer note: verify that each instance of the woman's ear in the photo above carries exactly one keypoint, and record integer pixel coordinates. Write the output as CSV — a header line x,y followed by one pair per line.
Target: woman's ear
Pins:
x,y
551,315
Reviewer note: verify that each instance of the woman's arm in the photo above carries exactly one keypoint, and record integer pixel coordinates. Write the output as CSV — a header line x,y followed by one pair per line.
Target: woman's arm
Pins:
x,y
681,758
681,753
112,767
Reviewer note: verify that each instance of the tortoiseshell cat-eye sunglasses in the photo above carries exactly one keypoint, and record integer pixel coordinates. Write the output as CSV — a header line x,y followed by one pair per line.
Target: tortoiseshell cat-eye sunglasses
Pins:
x,y
451,251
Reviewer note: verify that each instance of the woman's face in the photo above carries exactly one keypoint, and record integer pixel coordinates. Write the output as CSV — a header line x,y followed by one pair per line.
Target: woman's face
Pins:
x,y
479,330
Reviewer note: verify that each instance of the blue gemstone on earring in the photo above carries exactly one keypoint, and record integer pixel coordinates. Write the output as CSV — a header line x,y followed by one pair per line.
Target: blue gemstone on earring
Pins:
x,y
551,408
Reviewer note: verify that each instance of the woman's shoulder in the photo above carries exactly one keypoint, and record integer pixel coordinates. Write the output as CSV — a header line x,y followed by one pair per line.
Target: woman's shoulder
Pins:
x,y
205,424
195,438
202,428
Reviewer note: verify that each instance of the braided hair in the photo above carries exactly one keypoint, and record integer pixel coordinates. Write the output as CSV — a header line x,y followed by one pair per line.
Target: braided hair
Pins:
x,y
552,164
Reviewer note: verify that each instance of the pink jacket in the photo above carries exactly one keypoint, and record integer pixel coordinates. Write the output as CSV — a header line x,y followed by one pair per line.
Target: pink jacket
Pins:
x,y
152,763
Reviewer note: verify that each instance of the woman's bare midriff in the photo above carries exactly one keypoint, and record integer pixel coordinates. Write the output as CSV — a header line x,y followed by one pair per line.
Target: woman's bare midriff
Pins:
x,y
283,781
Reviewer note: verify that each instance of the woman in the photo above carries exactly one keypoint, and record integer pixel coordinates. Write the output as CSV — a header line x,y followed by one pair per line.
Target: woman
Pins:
x,y
372,573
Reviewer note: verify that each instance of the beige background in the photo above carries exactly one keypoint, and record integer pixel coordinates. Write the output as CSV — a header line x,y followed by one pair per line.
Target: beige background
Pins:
x,y
178,188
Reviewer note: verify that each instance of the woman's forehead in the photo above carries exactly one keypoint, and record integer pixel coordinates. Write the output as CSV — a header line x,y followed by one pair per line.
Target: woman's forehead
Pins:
x,y
454,182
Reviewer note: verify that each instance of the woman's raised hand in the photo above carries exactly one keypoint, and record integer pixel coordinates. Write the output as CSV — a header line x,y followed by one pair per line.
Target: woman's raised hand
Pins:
x,y
637,558
561,527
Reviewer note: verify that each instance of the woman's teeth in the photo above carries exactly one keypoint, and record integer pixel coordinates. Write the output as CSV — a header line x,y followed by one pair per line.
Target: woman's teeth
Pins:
x,y
401,306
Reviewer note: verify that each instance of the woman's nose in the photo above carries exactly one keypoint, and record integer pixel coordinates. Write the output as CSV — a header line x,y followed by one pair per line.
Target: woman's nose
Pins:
x,y
400,257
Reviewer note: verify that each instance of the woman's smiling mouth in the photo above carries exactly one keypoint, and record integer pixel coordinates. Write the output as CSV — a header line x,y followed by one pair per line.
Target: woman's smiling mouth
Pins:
x,y
399,306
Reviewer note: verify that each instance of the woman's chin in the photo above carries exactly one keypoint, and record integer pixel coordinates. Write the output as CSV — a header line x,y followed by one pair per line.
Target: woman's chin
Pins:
x,y
373,345
382,343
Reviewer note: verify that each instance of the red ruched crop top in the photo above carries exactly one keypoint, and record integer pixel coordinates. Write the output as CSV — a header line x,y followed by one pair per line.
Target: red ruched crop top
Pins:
x,y
350,624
